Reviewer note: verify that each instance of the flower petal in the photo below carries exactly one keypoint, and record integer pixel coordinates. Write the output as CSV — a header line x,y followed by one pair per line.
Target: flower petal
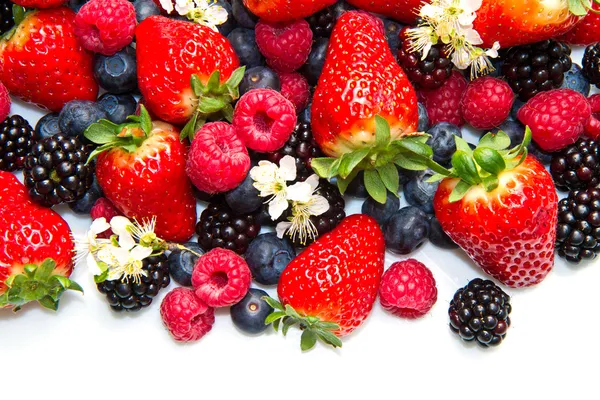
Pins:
x,y
313,181
99,225
140,252
282,228
300,192
277,206
92,264
287,168
167,5
318,205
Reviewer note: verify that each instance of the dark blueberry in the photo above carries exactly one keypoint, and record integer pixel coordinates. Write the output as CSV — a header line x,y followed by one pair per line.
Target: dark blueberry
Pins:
x,y
76,5
419,193
543,156
259,78
245,198
423,118
84,205
405,175
381,212
244,43
514,129
182,262
357,188
117,106
242,15
117,73
249,314
515,109
406,230
574,79
392,34
77,115
442,141
267,256
145,9
226,27
316,59
47,126
438,237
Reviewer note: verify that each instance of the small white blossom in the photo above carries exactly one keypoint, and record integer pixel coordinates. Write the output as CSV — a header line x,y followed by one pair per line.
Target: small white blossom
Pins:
x,y
271,181
129,263
183,7
202,12
167,5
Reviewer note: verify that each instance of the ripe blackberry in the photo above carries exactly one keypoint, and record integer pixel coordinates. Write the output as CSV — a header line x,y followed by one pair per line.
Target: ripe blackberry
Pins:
x,y
578,231
127,295
537,67
219,226
577,166
591,64
322,23
56,171
430,73
16,139
479,311
6,16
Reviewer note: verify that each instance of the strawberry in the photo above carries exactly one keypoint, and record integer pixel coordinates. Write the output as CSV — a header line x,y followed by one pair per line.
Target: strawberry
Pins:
x,y
141,170
11,191
40,3
331,286
500,206
42,62
285,10
402,10
587,31
186,71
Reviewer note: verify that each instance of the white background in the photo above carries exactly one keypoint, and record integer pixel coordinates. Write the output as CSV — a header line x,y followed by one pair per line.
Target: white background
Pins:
x,y
85,351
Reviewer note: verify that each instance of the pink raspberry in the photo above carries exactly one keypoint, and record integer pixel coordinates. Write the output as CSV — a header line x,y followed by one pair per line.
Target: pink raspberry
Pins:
x,y
285,45
103,208
408,289
556,118
443,104
186,316
218,161
487,102
295,88
264,119
592,127
4,103
221,278
105,26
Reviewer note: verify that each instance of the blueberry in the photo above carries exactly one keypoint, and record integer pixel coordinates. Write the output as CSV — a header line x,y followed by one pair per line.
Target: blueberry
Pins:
x,y
406,230
77,115
419,193
117,106
242,15
259,78
145,9
423,118
267,256
442,141
381,212
84,205
47,126
182,262
249,314
515,109
514,129
245,198
392,34
76,5
574,79
357,188
438,237
543,156
244,44
117,73
406,175
305,115
316,59
342,7
226,27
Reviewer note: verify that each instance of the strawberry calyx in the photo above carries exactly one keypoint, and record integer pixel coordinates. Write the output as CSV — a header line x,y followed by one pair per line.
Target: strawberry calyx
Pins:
x,y
129,135
581,7
18,13
482,166
37,283
313,328
214,100
379,161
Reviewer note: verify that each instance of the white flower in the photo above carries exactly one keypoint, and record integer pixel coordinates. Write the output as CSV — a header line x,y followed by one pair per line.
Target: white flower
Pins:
x,y
183,7
461,57
422,40
86,246
167,5
203,12
122,227
493,52
271,182
129,263
481,64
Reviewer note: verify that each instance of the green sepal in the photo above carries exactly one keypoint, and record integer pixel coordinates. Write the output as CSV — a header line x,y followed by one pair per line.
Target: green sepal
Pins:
x,y
465,167
462,145
375,186
343,183
390,178
460,190
496,141
189,129
323,166
579,7
489,160
145,120
382,132
350,161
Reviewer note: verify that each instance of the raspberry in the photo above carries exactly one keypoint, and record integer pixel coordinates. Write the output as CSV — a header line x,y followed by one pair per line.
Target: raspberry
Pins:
x,y
408,289
556,118
264,119
221,278
186,316
103,208
295,88
285,45
487,102
105,26
592,127
4,103
218,160
443,104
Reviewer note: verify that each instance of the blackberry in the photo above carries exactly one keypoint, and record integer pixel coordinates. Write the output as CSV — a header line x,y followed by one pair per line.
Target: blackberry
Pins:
x,y
56,171
479,311
219,226
578,231
16,139
302,146
537,67
322,23
6,16
577,166
591,64
127,295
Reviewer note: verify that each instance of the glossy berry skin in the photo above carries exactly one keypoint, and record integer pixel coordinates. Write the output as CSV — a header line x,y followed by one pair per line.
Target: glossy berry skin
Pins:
x,y
510,231
267,256
438,237
295,88
245,198
585,32
577,166
576,80
16,140
404,11
285,10
591,64
84,205
39,3
408,289
152,182
221,278
117,73
218,160
487,102
423,125
12,191
164,81
337,277
316,60
285,45
259,78
182,262
381,212
47,126
344,120
242,15
145,9
5,102
6,17
244,43
117,106
249,314
406,230
443,104
392,34
592,127
442,141
77,115
36,63
419,193
186,317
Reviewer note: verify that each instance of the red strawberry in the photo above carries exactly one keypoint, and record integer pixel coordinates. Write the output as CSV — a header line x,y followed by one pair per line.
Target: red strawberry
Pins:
x,y
169,54
285,10
585,32
402,10
40,3
501,210
42,62
141,170
332,285
11,191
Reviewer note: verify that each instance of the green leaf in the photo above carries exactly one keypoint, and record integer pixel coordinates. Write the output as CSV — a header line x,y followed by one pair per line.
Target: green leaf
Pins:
x,y
465,167
100,133
103,148
496,141
329,338
489,160
409,164
351,161
197,86
236,77
209,105
490,182
578,7
289,310
102,277
189,129
322,166
389,176
308,339
214,81
129,147
375,186
44,271
274,316
328,326
460,190
49,303
382,132
343,183
273,303
276,325
435,178
287,323
462,145
227,112
145,120
416,147
130,118
422,138
18,13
